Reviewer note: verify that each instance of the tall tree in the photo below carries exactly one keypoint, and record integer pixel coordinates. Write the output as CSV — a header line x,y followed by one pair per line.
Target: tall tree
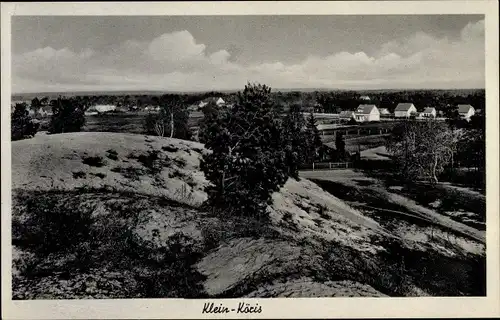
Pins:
x,y
295,139
340,145
210,116
246,162
67,116
313,139
22,125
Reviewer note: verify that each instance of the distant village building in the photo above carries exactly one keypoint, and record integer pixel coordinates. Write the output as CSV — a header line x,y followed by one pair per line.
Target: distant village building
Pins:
x,y
347,115
384,111
404,110
465,111
217,101
428,113
367,112
364,98
103,108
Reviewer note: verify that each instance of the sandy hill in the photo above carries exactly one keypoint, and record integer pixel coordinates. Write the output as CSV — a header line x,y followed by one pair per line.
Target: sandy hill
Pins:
x,y
123,216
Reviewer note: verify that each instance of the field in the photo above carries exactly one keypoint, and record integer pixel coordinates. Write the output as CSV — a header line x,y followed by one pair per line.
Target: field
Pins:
x,y
124,122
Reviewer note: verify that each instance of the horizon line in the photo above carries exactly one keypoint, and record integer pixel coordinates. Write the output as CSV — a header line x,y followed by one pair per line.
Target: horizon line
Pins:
x,y
236,90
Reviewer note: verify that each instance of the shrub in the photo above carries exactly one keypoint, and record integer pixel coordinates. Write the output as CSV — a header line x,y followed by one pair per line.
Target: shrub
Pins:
x,y
180,162
67,116
96,161
170,148
22,125
129,172
151,160
52,226
176,173
173,274
79,174
112,154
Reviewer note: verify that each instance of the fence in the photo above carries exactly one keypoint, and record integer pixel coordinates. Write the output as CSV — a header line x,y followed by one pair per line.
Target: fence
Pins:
x,y
327,166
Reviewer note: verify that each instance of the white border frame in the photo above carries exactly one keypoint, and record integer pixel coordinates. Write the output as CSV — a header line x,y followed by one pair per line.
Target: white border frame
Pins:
x,y
488,306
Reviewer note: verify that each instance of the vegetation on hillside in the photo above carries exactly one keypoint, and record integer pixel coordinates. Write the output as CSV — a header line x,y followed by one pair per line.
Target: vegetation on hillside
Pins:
x,y
247,159
22,125
67,116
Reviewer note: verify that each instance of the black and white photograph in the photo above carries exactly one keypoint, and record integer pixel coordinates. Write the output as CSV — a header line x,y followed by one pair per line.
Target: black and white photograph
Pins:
x,y
249,156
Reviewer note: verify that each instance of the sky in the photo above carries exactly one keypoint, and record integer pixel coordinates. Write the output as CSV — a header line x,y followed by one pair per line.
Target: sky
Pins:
x,y
201,53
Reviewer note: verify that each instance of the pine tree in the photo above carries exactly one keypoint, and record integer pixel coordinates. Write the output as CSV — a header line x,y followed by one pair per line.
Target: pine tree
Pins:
x,y
22,125
246,162
340,145
295,140
67,116
313,139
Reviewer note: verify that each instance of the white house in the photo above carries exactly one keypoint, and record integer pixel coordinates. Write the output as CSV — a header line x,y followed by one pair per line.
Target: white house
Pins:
x,y
428,113
367,112
347,115
103,108
466,111
364,98
404,110
218,101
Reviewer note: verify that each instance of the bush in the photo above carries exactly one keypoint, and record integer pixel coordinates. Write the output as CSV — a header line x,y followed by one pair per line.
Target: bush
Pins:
x,y
79,174
22,125
51,226
112,154
68,116
172,274
96,161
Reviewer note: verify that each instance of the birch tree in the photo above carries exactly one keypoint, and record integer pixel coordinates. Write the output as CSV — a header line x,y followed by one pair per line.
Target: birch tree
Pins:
x,y
422,150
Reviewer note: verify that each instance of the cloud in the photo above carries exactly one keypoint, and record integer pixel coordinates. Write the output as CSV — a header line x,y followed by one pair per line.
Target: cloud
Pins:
x,y
175,61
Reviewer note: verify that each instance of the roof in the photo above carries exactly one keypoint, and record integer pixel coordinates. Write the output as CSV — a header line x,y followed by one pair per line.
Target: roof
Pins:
x,y
212,99
464,108
365,108
404,106
429,110
346,113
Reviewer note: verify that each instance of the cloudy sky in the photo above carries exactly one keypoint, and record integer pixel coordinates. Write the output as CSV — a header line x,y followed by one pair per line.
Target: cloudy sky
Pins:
x,y
193,53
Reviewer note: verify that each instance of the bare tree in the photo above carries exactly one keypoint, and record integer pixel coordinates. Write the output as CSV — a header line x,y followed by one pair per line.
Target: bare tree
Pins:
x,y
423,149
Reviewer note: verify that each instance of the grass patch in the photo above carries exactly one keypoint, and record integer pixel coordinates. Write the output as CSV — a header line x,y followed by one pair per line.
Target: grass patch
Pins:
x,y
112,154
176,173
322,211
99,175
170,148
92,161
79,175
180,162
152,160
131,172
